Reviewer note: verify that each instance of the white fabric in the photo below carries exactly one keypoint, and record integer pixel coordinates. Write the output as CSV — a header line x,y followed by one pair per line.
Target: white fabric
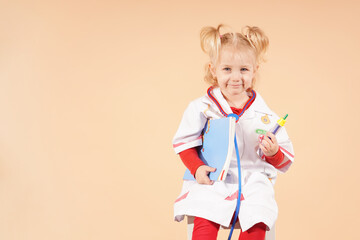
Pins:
x,y
258,176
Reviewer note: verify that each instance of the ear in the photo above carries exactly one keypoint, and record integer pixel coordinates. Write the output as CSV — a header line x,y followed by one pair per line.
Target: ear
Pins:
x,y
212,69
256,68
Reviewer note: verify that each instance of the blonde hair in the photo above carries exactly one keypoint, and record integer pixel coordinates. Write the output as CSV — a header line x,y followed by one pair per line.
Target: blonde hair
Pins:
x,y
212,41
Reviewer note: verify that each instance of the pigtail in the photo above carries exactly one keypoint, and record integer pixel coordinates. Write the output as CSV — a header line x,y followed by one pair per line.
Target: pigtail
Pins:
x,y
210,41
258,40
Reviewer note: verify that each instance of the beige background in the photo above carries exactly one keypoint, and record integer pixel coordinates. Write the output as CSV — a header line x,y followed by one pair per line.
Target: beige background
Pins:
x,y
92,92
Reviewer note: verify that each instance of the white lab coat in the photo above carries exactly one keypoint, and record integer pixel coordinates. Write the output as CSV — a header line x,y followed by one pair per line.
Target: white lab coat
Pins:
x,y
217,202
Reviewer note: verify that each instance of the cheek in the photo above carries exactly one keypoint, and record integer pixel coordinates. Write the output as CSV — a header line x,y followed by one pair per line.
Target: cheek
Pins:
x,y
221,80
248,82
248,79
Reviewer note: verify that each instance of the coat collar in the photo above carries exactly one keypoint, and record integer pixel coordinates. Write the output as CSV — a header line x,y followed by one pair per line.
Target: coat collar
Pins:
x,y
258,105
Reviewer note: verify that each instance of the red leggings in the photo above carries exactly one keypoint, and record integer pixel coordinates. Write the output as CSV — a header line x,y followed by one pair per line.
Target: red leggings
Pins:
x,y
208,230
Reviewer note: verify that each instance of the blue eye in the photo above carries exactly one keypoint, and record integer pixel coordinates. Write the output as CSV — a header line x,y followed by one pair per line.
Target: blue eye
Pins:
x,y
227,69
244,69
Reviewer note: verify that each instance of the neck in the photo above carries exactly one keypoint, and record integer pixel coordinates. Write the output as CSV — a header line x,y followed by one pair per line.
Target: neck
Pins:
x,y
237,101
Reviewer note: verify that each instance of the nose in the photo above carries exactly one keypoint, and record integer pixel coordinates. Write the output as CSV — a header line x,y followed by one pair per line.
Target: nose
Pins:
x,y
236,76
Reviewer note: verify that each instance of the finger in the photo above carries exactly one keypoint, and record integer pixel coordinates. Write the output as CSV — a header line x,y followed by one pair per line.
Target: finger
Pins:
x,y
207,181
268,137
203,176
201,180
271,137
211,169
262,148
266,144
273,147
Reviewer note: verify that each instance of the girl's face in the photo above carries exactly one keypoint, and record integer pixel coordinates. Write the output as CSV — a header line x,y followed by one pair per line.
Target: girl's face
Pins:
x,y
234,72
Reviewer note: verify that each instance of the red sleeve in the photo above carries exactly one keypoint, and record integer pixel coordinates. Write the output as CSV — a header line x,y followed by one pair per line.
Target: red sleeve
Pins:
x,y
275,160
191,159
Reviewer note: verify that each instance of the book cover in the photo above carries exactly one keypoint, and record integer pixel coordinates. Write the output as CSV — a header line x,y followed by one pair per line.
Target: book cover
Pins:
x,y
217,148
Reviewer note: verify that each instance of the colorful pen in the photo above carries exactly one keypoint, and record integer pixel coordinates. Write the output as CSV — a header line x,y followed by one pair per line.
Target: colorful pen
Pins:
x,y
280,123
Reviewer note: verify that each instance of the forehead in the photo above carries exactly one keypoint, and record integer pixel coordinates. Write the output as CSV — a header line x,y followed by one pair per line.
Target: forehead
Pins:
x,y
236,56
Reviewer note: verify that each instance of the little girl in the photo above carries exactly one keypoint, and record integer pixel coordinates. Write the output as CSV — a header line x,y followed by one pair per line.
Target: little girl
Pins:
x,y
232,70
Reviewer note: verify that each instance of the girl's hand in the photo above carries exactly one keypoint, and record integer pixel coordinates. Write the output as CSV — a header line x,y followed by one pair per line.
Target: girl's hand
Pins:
x,y
269,145
201,175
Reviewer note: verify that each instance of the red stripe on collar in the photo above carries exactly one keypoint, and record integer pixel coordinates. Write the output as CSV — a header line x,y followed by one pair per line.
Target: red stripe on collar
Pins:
x,y
247,104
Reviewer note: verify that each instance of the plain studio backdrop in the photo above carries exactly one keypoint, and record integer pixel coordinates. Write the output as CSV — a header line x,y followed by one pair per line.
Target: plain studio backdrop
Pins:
x,y
92,92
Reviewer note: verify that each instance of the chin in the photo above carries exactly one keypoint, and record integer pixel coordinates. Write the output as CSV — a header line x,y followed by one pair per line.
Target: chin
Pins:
x,y
238,90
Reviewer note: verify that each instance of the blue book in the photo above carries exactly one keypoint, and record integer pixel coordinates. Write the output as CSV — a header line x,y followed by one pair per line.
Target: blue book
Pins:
x,y
217,148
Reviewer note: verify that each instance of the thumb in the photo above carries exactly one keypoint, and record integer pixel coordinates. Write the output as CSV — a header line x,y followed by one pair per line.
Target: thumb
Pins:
x,y
211,169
